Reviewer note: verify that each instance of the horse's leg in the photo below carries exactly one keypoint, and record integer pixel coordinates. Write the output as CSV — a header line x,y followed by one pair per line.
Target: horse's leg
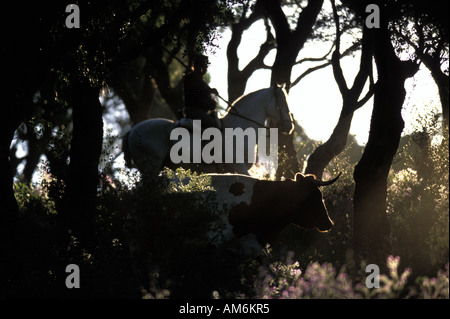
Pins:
x,y
147,161
148,166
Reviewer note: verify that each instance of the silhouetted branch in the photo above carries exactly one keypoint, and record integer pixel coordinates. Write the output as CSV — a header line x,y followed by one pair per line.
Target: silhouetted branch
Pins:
x,y
347,52
258,61
316,59
335,58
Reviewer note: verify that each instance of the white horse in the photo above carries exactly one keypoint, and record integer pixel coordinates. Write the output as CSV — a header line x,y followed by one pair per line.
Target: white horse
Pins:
x,y
148,143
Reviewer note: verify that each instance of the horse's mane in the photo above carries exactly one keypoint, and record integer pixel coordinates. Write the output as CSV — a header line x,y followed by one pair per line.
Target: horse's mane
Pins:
x,y
243,98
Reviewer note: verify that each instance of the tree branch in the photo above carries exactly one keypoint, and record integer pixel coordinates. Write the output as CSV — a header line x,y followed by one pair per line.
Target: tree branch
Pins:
x,y
366,97
347,52
336,23
237,79
365,66
309,71
316,59
258,61
278,18
335,58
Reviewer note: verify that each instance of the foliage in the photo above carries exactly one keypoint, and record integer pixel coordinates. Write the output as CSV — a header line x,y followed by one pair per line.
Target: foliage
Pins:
x,y
167,231
432,288
285,280
418,200
33,201
151,239
54,58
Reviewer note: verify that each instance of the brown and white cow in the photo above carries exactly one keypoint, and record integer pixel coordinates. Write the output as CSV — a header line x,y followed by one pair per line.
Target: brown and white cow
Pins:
x,y
256,211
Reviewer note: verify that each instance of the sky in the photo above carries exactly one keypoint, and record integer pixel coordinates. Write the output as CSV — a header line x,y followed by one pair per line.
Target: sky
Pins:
x,y
316,101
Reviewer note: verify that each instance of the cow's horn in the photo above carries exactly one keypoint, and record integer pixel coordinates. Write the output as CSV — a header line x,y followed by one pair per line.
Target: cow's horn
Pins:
x,y
318,182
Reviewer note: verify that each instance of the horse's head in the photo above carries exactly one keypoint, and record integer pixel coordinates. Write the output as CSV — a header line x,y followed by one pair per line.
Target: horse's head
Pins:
x,y
278,112
272,101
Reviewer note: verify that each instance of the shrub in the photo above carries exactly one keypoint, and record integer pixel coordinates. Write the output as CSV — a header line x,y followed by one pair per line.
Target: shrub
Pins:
x,y
33,200
418,203
169,231
286,280
151,239
433,288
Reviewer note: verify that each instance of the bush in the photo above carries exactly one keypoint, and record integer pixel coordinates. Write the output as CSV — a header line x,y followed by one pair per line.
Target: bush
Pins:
x,y
151,239
166,227
418,203
286,280
169,231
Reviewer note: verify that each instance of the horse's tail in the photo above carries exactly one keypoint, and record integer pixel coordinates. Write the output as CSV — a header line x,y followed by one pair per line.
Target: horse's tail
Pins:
x,y
126,151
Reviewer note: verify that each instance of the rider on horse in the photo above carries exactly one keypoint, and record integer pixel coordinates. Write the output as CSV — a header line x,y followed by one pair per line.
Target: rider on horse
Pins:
x,y
199,104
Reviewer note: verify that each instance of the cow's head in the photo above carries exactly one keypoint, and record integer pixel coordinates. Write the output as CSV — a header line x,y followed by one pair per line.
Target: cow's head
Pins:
x,y
310,211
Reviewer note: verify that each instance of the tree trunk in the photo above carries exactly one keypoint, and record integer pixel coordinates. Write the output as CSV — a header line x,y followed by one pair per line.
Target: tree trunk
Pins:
x,y
442,82
85,153
285,59
443,86
289,43
9,205
338,139
133,85
370,175
173,95
15,108
323,155
237,79
288,164
34,155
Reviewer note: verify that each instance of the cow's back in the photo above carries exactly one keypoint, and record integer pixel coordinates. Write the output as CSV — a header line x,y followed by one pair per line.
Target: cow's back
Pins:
x,y
230,190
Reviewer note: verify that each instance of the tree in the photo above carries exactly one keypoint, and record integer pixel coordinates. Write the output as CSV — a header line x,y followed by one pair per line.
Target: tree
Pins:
x,y
425,30
371,172
53,76
289,42
307,23
133,84
23,66
237,79
70,66
336,143
138,82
